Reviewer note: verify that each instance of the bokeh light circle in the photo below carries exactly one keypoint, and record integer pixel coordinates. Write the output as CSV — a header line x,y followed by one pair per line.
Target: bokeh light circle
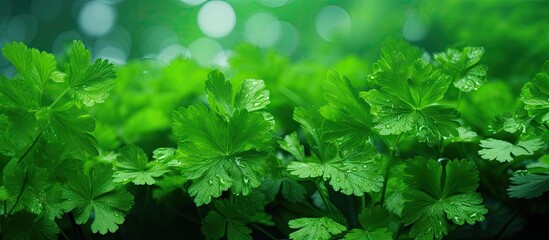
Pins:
x,y
333,22
193,2
96,18
216,19
21,28
275,3
205,50
263,29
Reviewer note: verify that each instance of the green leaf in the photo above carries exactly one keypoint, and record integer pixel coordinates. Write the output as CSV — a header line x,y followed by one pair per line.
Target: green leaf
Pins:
x,y
528,185
222,154
18,101
291,189
535,95
353,171
375,221
231,216
167,185
89,83
93,195
407,100
502,151
252,96
71,126
375,217
463,66
435,194
348,114
510,123
133,165
27,226
3,193
464,135
376,234
26,187
291,144
315,228
220,93
312,122
44,67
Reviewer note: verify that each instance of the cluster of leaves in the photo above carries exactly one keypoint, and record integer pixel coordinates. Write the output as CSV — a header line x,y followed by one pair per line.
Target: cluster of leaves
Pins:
x,y
529,125
351,170
47,148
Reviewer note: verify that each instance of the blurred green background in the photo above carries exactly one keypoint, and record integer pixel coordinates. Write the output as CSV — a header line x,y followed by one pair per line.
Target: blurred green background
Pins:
x,y
207,31
288,43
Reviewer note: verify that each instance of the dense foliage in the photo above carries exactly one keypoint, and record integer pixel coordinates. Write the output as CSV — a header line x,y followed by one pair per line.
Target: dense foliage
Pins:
x,y
399,155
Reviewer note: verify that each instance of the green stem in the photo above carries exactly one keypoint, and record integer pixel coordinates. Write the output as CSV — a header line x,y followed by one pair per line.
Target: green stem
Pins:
x,y
324,198
270,236
64,234
398,231
440,147
18,196
388,168
199,213
459,100
59,97
507,224
30,147
145,204
76,228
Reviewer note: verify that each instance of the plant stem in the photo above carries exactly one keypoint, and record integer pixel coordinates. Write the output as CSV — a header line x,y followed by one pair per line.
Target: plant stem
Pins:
x,y
30,147
264,231
199,213
388,168
440,147
398,231
324,198
145,204
59,97
76,228
507,224
459,100
18,196
64,234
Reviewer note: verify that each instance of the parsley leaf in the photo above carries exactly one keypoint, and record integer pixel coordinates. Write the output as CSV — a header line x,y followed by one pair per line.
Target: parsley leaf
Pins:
x,y
252,95
348,114
535,95
133,165
532,182
26,187
463,66
88,83
33,66
94,195
220,93
528,185
291,144
231,216
407,99
29,226
510,123
225,148
220,154
494,149
374,222
315,228
352,169
69,125
435,193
